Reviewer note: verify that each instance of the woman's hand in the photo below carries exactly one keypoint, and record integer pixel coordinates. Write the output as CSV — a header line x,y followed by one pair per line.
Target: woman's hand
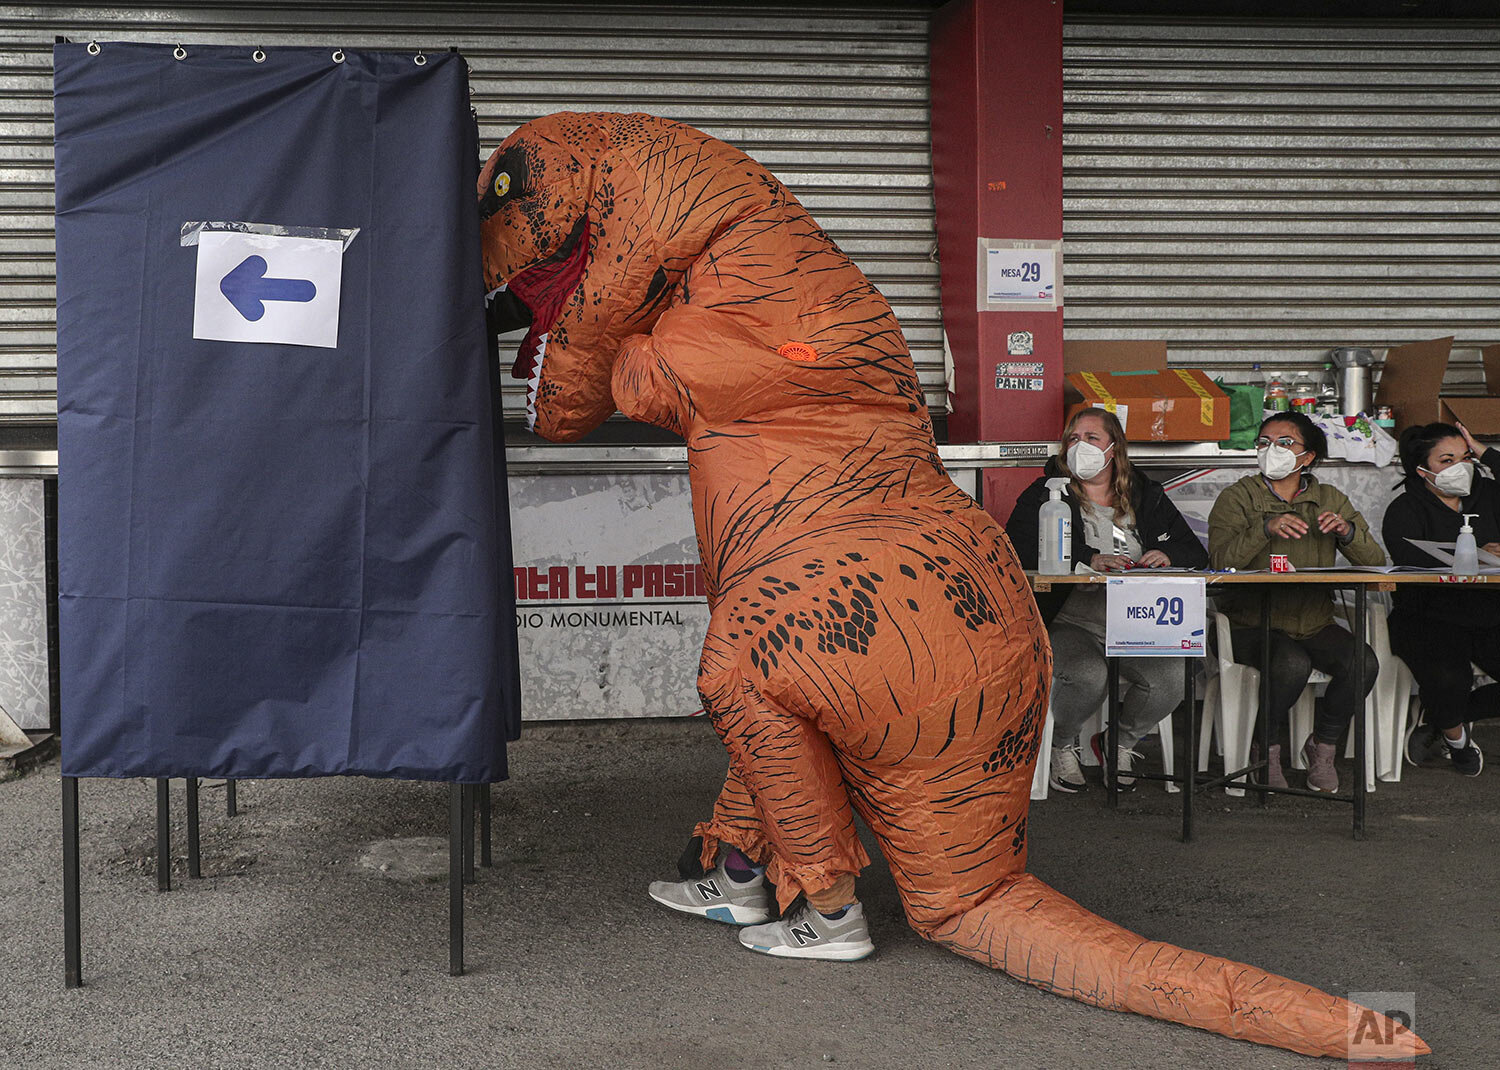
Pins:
x,y
1474,447
1330,523
1286,526
1154,559
1492,548
1110,563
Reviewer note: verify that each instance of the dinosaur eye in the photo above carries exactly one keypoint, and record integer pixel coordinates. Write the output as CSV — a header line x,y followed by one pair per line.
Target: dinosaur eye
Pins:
x,y
502,183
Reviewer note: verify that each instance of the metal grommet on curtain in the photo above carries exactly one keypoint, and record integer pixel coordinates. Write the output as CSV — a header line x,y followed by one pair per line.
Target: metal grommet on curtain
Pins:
x,y
338,55
258,56
94,48
179,53
420,60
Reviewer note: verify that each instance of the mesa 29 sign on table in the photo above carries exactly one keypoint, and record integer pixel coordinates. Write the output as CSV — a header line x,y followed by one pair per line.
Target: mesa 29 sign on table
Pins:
x,y
1155,616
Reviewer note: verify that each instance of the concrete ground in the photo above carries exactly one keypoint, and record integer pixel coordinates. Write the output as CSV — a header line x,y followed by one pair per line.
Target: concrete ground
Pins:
x,y
291,952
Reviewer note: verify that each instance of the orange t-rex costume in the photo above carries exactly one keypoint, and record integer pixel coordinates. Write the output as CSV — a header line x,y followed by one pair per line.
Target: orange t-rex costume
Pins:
x,y
874,646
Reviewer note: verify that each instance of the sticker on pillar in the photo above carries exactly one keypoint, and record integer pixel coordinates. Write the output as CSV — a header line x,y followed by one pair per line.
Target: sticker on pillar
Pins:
x,y
1019,344
1018,375
267,283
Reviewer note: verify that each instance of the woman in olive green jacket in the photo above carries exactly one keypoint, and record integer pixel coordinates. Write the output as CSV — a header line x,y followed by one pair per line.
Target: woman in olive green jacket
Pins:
x,y
1284,509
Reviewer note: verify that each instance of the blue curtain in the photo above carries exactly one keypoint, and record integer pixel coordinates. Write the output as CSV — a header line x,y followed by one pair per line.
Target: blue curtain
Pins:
x,y
276,559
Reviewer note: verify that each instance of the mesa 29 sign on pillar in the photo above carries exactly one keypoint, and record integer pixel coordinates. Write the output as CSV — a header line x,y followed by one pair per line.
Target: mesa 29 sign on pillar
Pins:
x,y
283,541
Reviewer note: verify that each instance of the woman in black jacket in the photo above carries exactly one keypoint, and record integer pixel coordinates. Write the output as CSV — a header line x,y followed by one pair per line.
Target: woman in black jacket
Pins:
x,y
1121,520
1440,632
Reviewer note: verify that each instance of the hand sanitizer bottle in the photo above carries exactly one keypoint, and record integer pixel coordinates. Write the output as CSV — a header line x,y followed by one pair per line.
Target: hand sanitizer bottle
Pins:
x,y
1465,551
1055,532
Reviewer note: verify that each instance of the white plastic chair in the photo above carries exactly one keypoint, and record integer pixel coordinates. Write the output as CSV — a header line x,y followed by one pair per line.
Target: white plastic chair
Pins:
x,y
1393,690
1230,700
1042,776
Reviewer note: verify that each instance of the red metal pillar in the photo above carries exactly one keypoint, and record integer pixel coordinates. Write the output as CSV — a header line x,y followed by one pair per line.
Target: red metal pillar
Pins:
x,y
997,109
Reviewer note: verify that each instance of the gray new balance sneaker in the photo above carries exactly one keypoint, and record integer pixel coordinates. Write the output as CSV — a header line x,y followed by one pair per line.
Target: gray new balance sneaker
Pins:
x,y
718,896
806,934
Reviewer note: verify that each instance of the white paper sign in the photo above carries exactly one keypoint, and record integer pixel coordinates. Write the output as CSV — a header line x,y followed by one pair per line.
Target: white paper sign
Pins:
x,y
268,288
1155,616
1021,275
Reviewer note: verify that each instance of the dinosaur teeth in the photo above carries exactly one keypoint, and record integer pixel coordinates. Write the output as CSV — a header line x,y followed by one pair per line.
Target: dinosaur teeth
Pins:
x,y
489,298
535,381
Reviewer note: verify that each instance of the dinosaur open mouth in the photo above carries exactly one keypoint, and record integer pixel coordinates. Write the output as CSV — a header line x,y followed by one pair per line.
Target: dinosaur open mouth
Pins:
x,y
544,288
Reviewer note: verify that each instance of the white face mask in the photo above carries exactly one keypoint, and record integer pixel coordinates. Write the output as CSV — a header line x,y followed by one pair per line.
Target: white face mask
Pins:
x,y
1455,481
1276,462
1085,460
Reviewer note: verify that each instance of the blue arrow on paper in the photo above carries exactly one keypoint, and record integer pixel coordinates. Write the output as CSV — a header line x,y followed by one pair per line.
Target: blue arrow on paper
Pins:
x,y
248,289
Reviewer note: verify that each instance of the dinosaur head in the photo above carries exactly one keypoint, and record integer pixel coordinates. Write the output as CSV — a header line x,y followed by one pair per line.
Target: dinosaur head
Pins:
x,y
568,252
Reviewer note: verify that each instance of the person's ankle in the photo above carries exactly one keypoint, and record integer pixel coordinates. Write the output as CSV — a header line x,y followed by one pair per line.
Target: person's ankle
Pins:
x,y
739,867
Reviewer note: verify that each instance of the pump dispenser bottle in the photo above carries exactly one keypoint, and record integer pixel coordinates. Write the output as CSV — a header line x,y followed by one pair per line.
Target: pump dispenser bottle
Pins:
x,y
1055,532
1465,551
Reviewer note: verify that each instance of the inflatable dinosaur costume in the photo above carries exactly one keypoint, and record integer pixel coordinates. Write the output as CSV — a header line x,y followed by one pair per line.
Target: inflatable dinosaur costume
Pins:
x,y
874,647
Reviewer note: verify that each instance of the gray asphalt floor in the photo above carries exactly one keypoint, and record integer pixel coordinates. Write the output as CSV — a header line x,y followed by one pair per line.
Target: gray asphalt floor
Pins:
x,y
293,952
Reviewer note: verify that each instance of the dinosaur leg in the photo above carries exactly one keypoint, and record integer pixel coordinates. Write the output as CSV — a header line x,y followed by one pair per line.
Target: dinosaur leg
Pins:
x,y
736,822
784,802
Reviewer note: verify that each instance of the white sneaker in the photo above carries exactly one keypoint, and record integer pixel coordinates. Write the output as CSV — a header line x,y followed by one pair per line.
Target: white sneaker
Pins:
x,y
1066,773
718,896
807,934
1125,760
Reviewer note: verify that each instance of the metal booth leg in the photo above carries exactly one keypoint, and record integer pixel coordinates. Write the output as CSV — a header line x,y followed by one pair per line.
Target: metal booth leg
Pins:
x,y
195,860
72,940
231,798
469,797
163,835
485,858
455,880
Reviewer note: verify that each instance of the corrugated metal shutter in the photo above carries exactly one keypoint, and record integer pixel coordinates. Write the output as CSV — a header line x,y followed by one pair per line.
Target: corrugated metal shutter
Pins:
x,y
832,99
1263,192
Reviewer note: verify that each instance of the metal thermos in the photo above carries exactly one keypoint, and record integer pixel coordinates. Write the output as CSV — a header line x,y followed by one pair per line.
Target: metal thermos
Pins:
x,y
1353,366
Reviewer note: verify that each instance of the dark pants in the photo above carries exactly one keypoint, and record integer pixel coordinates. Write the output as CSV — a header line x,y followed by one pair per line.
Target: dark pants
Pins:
x,y
1441,656
1292,662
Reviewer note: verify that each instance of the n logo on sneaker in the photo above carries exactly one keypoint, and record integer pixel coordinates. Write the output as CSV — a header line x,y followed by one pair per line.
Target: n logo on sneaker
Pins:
x,y
708,889
805,934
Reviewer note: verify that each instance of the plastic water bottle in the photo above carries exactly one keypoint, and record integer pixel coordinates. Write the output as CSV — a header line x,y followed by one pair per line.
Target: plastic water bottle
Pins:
x,y
1465,551
1304,394
1055,532
1276,399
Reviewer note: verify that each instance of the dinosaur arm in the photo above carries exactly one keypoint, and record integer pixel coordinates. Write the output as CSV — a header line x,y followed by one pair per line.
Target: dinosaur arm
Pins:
x,y
697,366
647,389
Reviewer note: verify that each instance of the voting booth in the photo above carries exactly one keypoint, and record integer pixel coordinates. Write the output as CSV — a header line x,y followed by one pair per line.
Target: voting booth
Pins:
x,y
283,540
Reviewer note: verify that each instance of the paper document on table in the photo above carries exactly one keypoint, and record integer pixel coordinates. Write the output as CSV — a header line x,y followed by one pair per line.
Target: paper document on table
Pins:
x,y
1443,551
1384,570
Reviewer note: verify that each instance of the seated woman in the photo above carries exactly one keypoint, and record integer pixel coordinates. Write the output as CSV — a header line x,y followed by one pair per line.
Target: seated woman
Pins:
x,y
1442,632
1284,509
1121,519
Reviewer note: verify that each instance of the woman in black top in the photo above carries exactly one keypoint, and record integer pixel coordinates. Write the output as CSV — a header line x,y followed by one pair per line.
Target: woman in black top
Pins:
x,y
1121,520
1440,631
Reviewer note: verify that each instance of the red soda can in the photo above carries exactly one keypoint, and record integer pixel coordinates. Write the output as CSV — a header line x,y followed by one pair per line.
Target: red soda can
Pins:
x,y
1280,563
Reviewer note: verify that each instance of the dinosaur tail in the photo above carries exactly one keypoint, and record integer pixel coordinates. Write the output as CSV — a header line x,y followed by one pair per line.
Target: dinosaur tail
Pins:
x,y
1045,939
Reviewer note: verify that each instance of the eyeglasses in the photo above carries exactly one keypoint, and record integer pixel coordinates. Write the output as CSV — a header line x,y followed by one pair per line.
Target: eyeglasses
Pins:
x,y
1285,442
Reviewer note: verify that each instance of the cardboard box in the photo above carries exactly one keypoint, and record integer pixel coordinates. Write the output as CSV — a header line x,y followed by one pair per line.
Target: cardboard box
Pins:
x,y
1411,383
1132,380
